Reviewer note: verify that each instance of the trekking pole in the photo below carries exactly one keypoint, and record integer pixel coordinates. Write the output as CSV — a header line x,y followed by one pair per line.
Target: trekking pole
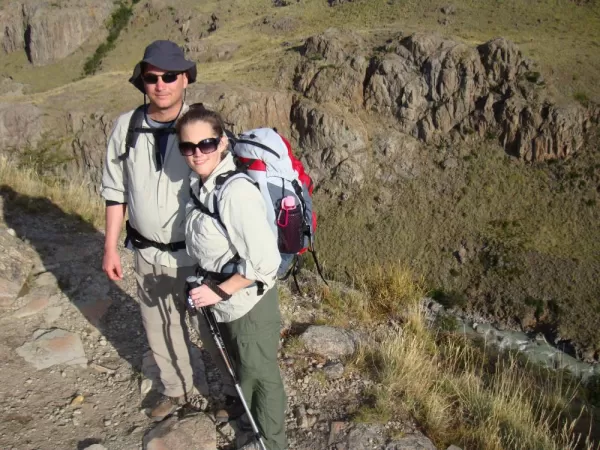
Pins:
x,y
194,282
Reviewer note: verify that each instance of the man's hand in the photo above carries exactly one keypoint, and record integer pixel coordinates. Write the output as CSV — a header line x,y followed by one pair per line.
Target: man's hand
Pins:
x,y
111,262
204,296
111,265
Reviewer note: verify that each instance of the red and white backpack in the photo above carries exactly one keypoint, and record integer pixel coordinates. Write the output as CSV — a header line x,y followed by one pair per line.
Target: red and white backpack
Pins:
x,y
265,158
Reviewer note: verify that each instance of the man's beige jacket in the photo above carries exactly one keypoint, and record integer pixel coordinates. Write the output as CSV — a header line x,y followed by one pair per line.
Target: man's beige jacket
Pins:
x,y
156,199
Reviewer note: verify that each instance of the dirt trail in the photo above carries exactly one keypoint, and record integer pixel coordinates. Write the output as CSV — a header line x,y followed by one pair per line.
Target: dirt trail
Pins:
x,y
100,324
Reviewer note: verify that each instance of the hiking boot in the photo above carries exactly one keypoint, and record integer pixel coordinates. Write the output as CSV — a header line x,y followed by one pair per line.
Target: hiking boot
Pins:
x,y
232,410
166,406
169,405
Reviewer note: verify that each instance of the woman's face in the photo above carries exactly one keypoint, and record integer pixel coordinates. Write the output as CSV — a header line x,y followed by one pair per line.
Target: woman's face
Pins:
x,y
201,148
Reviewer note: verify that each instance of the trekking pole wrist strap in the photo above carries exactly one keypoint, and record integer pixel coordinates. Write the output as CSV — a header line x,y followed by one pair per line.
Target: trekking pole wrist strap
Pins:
x,y
213,286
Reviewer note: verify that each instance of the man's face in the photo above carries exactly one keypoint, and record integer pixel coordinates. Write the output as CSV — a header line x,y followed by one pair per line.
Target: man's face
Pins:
x,y
164,88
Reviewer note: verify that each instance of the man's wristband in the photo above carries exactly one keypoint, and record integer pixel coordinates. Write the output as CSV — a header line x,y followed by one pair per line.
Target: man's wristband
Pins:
x,y
213,286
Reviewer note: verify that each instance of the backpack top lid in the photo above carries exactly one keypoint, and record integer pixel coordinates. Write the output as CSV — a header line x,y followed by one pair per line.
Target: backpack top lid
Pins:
x,y
251,145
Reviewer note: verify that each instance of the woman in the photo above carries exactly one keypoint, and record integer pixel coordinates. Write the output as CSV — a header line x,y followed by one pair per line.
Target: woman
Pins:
x,y
237,250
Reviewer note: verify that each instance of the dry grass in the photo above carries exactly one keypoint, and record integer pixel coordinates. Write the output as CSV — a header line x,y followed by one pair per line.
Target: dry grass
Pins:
x,y
72,194
379,293
458,392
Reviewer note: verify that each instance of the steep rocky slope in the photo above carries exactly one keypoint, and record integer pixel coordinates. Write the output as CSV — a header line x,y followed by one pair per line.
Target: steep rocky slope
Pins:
x,y
50,31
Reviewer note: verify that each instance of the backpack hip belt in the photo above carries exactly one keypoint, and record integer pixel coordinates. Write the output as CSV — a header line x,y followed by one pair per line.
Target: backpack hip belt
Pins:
x,y
140,242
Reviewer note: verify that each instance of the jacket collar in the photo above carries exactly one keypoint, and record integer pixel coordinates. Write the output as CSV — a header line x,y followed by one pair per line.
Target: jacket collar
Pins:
x,y
226,165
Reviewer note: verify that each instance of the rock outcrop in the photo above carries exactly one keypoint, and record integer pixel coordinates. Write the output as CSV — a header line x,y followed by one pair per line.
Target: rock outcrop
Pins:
x,y
12,27
51,347
20,125
245,108
90,136
49,32
333,145
437,89
15,265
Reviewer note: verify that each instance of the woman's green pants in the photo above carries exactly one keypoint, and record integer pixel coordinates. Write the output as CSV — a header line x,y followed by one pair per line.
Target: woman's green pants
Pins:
x,y
252,342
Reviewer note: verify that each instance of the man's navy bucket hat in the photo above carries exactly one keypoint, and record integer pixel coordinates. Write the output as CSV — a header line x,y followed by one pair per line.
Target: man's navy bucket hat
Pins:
x,y
165,55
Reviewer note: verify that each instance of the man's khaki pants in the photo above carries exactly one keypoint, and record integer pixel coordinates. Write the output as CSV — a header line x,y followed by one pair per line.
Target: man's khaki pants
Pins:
x,y
161,291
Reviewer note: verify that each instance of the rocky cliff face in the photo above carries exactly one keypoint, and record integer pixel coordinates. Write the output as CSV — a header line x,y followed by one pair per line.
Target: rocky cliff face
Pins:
x,y
48,32
12,27
20,125
438,89
354,110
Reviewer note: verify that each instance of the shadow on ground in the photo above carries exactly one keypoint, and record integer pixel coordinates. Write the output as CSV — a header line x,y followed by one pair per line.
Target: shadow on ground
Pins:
x,y
71,249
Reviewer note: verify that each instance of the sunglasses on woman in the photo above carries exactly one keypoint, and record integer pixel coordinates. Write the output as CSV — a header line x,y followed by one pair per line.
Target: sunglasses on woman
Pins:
x,y
205,146
167,77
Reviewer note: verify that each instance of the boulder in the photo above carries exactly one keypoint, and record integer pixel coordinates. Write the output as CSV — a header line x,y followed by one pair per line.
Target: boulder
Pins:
x,y
16,260
329,342
333,371
197,432
49,348
21,125
364,436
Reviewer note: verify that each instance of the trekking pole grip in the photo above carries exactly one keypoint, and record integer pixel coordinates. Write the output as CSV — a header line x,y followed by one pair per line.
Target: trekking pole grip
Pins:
x,y
191,282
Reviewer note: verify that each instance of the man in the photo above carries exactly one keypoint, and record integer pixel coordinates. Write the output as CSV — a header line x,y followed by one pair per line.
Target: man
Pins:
x,y
145,174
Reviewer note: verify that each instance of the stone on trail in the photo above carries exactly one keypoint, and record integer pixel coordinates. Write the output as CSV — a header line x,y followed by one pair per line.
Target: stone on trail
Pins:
x,y
52,314
95,447
411,442
333,371
327,341
49,348
197,432
364,436
335,430
36,302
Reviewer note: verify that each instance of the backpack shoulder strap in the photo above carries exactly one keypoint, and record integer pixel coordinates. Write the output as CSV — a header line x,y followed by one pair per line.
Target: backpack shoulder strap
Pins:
x,y
135,126
221,182
226,179
134,129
